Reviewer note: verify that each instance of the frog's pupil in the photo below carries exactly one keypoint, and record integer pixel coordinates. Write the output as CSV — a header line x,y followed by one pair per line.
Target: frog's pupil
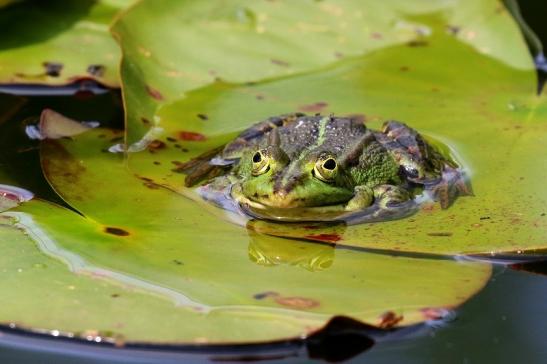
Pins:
x,y
257,157
329,164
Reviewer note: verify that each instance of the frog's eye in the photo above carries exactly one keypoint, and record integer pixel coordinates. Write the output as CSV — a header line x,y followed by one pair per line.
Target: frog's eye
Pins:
x,y
325,169
261,163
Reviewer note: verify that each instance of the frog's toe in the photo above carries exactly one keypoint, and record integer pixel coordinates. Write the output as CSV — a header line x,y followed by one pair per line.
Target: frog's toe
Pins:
x,y
363,197
390,196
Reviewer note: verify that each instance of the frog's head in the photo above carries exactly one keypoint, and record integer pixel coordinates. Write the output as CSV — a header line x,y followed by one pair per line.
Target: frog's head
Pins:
x,y
311,179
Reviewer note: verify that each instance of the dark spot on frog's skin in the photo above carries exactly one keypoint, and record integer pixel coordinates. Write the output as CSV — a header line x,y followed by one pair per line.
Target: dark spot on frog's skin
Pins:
x,y
485,218
331,238
96,70
114,295
339,55
203,117
177,262
53,69
170,139
156,145
262,295
157,163
155,94
403,69
184,150
259,97
417,43
145,120
191,136
279,62
177,145
389,319
376,35
316,107
116,231
255,195
542,214
442,234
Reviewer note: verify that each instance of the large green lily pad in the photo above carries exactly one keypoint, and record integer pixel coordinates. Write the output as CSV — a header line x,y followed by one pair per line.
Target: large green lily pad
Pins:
x,y
244,41
154,266
58,42
479,101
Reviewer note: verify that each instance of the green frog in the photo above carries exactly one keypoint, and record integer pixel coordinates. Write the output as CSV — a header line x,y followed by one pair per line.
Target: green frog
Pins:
x,y
297,167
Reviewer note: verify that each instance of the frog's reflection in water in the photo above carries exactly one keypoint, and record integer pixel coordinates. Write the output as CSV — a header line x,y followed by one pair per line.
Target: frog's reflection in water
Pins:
x,y
270,252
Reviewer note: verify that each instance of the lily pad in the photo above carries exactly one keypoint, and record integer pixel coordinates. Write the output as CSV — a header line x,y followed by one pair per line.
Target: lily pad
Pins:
x,y
202,281
247,41
479,101
59,42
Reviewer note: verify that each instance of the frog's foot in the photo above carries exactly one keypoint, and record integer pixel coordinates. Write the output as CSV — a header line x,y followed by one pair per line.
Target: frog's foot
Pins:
x,y
389,196
450,186
363,197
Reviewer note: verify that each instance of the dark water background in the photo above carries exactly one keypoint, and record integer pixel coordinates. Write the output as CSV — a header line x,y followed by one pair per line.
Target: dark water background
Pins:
x,y
505,323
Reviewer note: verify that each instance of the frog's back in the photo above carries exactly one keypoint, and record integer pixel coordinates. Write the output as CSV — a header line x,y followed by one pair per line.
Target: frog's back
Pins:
x,y
300,133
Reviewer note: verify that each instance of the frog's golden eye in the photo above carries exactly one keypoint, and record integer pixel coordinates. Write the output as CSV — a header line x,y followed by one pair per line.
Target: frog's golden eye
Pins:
x,y
261,163
325,169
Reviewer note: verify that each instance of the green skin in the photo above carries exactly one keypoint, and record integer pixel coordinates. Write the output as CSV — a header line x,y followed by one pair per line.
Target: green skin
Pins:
x,y
324,164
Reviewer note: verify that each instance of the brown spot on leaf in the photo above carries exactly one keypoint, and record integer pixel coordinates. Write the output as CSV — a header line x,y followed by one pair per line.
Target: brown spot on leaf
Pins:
x,y
433,313
156,145
299,303
191,136
96,70
154,93
116,231
417,43
453,29
279,62
262,295
441,233
389,319
53,69
315,107
331,238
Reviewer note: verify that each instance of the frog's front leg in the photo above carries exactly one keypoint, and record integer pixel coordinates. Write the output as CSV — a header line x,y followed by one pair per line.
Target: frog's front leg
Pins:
x,y
362,198
389,195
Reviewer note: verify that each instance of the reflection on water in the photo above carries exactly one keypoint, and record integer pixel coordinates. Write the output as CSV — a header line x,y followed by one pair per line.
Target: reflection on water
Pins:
x,y
271,253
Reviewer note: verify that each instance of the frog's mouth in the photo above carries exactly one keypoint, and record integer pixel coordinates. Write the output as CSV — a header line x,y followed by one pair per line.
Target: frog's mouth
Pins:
x,y
289,213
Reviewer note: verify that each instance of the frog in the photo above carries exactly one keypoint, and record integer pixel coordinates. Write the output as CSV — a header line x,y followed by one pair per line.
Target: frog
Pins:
x,y
298,167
